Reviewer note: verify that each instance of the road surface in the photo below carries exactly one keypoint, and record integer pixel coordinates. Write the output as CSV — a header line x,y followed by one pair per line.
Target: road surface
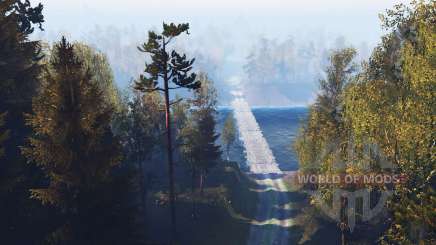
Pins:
x,y
273,218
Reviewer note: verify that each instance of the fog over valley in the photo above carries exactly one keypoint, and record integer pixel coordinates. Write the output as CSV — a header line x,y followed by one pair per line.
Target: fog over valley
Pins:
x,y
261,47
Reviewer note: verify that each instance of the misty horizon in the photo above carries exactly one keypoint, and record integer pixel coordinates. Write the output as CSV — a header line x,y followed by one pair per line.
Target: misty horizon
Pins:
x,y
223,34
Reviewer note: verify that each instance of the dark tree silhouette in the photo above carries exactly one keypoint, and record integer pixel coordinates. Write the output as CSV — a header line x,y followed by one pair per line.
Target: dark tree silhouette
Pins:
x,y
4,134
19,69
74,146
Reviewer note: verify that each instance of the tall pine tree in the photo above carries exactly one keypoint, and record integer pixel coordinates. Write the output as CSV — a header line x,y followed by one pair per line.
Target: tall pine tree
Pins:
x,y
74,146
19,69
19,66
167,66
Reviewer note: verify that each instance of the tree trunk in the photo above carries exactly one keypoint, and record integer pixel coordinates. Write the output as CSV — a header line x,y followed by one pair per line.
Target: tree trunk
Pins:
x,y
194,175
142,184
202,177
343,217
172,198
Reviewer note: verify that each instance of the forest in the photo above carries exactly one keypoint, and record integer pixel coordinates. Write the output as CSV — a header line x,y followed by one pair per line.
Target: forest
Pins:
x,y
389,103
83,161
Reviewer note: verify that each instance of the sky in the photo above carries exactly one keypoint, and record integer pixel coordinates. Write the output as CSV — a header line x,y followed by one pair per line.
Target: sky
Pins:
x,y
228,29
357,20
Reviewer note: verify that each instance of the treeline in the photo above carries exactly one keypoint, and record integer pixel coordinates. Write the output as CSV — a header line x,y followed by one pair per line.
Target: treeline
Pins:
x,y
384,113
274,67
281,63
74,149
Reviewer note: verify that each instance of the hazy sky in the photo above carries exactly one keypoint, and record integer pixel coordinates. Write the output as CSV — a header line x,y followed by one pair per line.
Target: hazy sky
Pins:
x,y
357,20
225,29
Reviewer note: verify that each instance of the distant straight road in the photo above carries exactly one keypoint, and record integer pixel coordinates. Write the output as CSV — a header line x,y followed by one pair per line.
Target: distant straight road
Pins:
x,y
272,222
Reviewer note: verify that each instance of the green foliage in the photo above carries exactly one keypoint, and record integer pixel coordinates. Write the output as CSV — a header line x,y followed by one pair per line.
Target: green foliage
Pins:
x,y
198,137
74,146
19,70
199,147
322,142
322,138
168,68
411,120
180,111
144,127
72,143
98,64
172,67
19,56
229,132
391,103
27,15
173,30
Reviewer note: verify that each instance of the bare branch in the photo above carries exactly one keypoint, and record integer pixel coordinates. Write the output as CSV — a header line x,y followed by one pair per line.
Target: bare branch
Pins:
x,y
169,40
176,102
149,90
175,87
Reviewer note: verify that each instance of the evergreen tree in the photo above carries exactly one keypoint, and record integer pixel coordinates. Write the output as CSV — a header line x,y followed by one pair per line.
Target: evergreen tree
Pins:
x,y
4,134
207,153
199,147
229,133
19,69
7,181
19,57
168,67
143,134
99,65
74,146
